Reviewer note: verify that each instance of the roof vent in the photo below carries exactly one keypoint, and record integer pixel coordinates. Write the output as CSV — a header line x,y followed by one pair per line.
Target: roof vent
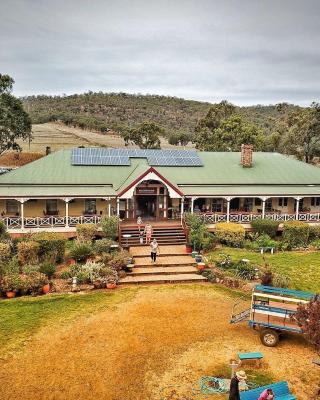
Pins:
x,y
246,155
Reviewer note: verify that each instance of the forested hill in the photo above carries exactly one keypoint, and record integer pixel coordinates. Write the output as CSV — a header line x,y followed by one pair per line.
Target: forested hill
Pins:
x,y
114,111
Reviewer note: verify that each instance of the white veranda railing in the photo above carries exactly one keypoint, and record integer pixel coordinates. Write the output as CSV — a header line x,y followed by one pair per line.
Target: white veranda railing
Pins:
x,y
49,222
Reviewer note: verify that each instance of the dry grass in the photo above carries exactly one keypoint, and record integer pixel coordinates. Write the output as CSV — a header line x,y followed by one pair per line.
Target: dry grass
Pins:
x,y
163,336
14,159
60,136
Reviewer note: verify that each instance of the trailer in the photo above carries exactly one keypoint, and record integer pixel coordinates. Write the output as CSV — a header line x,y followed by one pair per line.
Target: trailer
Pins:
x,y
271,312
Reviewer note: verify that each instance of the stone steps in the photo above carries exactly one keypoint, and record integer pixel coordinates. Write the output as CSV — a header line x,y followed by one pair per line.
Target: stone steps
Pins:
x,y
173,265
163,270
165,261
173,278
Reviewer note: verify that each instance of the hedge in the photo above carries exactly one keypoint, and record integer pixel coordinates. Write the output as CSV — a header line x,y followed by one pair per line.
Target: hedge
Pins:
x,y
267,226
230,233
296,233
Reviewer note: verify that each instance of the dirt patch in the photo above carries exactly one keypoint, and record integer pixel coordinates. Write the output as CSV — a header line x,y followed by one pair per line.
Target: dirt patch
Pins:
x,y
164,336
15,159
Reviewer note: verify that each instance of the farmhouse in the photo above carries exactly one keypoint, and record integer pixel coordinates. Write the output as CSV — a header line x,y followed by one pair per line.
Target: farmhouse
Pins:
x,y
83,184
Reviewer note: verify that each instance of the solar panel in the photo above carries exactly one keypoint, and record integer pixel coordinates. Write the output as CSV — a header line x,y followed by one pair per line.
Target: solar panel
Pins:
x,y
118,157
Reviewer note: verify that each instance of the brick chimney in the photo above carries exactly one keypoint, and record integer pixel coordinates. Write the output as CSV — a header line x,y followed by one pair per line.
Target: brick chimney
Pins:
x,y
246,155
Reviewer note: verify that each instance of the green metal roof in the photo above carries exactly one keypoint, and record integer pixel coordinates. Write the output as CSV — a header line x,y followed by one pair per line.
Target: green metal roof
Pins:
x,y
221,174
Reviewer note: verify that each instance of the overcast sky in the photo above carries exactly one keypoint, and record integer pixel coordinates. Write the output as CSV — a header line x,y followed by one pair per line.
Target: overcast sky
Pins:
x,y
245,51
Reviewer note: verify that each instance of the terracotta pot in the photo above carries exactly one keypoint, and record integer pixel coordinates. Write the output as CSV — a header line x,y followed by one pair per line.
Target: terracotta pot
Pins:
x,y
111,285
11,295
72,261
46,288
201,266
188,249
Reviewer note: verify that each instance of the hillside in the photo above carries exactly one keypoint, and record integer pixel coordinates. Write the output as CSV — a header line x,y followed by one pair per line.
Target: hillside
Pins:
x,y
115,111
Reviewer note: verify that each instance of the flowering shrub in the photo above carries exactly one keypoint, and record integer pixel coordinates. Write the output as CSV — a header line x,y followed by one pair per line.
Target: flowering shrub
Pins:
x,y
230,233
86,232
28,252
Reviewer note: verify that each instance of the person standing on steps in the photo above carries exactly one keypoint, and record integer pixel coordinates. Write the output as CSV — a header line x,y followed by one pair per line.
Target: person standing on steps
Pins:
x,y
148,232
154,250
234,393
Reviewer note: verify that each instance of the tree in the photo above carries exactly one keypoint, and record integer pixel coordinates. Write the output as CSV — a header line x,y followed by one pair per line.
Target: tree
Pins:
x,y
180,138
303,136
308,318
145,135
229,135
15,123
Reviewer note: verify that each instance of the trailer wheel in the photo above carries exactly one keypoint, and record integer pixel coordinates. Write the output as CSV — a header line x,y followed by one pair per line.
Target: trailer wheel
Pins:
x,y
269,337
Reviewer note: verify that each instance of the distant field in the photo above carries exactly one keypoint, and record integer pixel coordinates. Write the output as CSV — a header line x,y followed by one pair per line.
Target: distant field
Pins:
x,y
59,136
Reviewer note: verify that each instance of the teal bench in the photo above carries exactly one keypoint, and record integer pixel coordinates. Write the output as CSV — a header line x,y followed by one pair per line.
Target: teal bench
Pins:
x,y
250,356
280,389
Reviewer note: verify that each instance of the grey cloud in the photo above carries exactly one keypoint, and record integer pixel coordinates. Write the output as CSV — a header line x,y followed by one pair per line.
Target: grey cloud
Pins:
x,y
245,51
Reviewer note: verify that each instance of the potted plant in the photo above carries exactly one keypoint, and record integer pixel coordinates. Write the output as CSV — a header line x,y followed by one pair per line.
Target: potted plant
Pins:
x,y
188,248
201,266
111,284
10,285
46,288
198,258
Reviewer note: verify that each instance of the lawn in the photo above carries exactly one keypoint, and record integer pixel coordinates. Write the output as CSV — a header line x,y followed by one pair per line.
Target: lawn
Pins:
x,y
22,317
303,268
136,343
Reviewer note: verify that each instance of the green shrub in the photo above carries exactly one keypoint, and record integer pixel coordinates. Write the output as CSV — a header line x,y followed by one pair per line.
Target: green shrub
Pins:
x,y
245,270
265,226
10,283
28,252
109,274
48,269
5,252
109,226
86,232
3,231
119,260
316,244
230,233
265,240
314,232
33,283
65,275
103,246
9,267
281,281
51,246
296,233
81,250
193,220
209,274
30,269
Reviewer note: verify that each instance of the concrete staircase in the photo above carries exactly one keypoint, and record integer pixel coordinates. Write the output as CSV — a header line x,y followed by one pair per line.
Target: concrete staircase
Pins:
x,y
173,265
165,235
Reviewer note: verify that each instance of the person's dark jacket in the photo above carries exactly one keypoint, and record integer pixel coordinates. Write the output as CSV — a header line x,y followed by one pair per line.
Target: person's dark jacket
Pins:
x,y
234,389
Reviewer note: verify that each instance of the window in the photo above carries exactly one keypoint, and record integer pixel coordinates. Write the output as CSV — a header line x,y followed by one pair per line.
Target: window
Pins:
x,y
217,205
52,207
12,207
315,201
90,206
269,205
248,204
257,202
283,201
